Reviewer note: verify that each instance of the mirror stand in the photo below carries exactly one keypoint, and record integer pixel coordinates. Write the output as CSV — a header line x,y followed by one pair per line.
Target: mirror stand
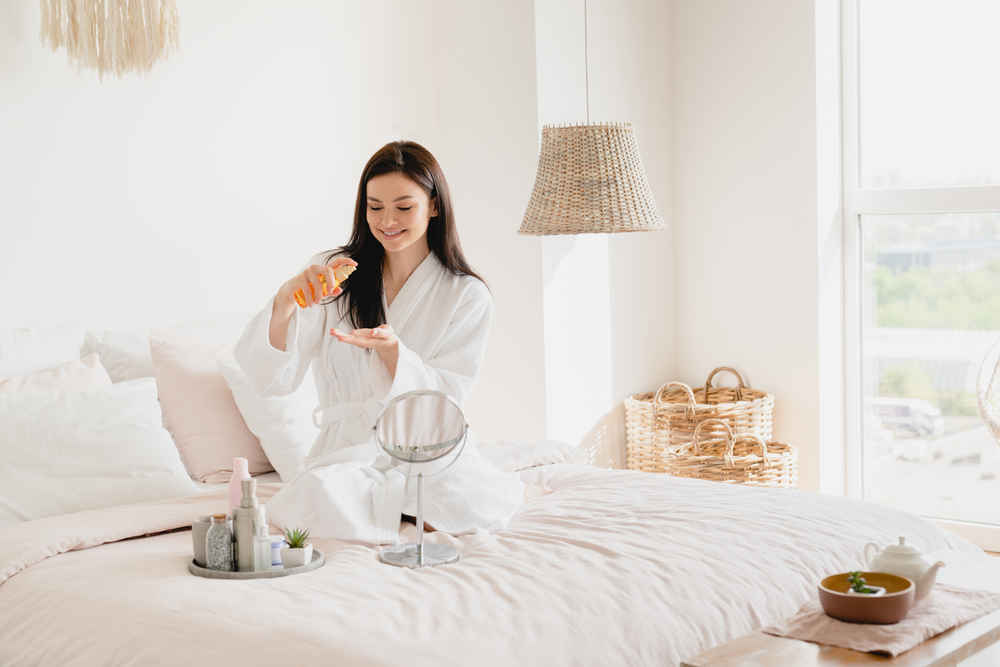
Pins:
x,y
419,554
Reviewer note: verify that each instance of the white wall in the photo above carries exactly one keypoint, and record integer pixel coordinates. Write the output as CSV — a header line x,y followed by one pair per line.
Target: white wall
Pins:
x,y
747,194
608,298
201,187
831,431
575,269
736,107
630,80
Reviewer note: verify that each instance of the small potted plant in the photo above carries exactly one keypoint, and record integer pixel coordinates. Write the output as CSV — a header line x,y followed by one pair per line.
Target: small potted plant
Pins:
x,y
860,587
297,552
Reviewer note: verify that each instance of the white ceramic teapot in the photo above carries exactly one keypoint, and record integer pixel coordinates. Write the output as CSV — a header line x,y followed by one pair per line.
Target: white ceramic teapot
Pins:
x,y
905,561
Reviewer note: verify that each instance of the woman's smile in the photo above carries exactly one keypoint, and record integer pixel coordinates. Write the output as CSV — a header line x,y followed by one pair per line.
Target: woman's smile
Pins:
x,y
392,234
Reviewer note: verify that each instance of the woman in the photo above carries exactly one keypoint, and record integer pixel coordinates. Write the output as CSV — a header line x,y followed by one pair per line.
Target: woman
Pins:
x,y
412,315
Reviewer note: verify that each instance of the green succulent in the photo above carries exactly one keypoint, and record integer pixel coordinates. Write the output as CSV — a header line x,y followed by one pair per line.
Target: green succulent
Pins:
x,y
858,583
296,537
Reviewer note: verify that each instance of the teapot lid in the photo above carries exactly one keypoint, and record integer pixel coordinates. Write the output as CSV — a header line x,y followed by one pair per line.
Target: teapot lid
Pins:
x,y
902,549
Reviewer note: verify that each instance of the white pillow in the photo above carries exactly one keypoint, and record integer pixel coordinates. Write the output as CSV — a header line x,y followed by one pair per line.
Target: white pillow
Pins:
x,y
283,424
75,375
125,354
63,452
26,350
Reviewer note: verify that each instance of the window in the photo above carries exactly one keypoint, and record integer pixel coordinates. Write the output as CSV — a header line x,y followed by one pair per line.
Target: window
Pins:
x,y
922,254
928,99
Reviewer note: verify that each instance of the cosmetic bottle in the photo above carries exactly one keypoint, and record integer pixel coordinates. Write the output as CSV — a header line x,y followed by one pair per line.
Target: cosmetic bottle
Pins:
x,y
277,543
241,472
260,517
199,531
243,520
261,549
219,544
261,553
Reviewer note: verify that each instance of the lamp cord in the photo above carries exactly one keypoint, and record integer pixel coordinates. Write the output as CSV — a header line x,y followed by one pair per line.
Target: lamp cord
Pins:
x,y
586,63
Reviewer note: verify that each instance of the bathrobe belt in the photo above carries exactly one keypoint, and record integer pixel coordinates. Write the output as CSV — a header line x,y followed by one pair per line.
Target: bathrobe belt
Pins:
x,y
367,410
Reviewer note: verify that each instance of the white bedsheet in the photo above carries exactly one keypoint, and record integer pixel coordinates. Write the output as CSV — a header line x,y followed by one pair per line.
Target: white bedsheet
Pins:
x,y
608,568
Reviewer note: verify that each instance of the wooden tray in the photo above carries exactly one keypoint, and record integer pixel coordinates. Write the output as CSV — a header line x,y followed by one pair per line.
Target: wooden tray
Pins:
x,y
317,561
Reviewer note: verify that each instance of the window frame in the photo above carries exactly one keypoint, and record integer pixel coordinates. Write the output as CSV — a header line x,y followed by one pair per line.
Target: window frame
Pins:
x,y
857,202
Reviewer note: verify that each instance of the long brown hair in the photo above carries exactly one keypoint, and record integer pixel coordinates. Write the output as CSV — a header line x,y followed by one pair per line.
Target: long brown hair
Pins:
x,y
363,290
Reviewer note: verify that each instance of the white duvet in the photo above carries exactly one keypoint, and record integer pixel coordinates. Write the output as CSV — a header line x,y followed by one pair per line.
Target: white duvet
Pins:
x,y
606,568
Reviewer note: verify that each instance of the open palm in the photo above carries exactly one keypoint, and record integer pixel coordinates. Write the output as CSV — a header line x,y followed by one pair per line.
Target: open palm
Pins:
x,y
381,337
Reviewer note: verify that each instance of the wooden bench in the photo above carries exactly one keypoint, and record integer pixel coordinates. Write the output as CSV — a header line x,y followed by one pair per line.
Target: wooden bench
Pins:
x,y
975,638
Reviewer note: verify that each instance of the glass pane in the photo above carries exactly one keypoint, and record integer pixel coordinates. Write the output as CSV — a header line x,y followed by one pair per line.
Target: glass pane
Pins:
x,y
931,313
929,103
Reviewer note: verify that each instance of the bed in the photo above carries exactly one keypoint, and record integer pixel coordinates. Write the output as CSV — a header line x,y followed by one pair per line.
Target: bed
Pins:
x,y
599,567
115,441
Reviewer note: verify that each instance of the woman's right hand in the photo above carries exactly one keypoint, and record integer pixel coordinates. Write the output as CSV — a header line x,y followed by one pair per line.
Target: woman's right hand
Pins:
x,y
314,283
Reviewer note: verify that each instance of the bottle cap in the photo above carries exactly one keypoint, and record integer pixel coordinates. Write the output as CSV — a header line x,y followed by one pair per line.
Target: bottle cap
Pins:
x,y
219,517
240,465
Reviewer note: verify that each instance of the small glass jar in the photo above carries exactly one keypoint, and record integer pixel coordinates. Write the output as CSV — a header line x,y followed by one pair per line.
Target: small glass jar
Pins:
x,y
219,544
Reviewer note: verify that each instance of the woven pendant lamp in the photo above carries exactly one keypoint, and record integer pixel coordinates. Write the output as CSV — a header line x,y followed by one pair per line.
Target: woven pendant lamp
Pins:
x,y
590,179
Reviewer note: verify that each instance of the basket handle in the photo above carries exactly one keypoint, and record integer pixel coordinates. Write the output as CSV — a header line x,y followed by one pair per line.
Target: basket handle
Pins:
x,y
692,404
739,379
744,435
730,440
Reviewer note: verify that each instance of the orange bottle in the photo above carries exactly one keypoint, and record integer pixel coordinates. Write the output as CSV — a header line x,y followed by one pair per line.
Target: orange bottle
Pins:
x,y
339,274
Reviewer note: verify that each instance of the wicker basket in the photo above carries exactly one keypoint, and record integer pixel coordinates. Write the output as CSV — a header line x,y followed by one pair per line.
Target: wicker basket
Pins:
x,y
666,418
744,458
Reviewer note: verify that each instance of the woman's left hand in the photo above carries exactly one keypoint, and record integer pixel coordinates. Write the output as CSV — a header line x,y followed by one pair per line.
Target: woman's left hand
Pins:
x,y
380,339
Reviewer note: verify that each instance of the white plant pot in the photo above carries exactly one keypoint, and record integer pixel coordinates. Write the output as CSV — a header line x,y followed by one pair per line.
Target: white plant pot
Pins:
x,y
296,557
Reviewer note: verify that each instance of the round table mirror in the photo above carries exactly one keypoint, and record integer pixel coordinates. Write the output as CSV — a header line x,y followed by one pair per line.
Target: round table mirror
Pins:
x,y
426,430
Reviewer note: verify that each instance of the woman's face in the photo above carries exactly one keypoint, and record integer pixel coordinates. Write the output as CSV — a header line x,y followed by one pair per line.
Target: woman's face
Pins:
x,y
398,211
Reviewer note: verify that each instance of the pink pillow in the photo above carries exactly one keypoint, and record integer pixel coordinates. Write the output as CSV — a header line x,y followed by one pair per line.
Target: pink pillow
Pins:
x,y
199,410
75,375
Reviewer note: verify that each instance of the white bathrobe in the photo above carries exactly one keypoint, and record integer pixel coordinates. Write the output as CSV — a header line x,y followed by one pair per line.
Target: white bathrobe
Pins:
x,y
350,489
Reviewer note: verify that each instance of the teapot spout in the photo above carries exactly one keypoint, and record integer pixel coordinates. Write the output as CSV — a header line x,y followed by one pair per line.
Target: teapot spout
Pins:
x,y
927,580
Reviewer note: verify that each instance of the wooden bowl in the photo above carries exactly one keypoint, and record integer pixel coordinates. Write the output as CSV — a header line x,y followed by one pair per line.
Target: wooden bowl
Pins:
x,y
891,607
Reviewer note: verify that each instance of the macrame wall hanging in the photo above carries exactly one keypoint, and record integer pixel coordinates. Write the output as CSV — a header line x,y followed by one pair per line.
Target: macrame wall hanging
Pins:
x,y
111,36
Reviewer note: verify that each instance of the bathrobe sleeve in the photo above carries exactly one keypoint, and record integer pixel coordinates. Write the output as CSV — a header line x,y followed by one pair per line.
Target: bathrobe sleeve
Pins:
x,y
275,372
454,365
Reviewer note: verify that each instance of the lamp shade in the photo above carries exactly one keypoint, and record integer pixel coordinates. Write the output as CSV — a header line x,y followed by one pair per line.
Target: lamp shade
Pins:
x,y
590,179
